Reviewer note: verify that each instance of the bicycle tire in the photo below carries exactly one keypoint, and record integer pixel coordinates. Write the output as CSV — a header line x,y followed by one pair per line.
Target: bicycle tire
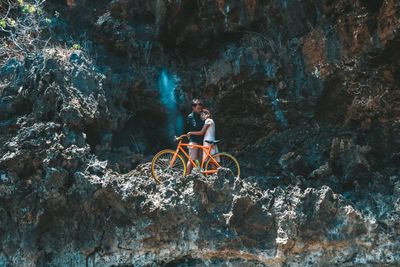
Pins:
x,y
160,166
226,161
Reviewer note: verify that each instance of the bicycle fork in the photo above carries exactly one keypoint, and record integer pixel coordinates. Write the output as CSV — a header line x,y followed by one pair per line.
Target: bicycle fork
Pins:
x,y
171,163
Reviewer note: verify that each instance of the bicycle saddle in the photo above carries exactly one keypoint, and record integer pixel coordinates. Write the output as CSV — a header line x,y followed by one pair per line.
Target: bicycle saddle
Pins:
x,y
212,142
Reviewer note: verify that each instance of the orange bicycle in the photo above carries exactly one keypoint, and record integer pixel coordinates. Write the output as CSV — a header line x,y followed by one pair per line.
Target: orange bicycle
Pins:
x,y
171,162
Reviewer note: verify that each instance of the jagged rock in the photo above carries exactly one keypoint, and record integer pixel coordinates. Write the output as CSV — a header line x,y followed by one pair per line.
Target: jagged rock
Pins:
x,y
349,160
304,93
130,220
322,172
293,164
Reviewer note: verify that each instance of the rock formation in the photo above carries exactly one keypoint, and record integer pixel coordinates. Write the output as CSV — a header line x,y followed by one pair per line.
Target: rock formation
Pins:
x,y
304,93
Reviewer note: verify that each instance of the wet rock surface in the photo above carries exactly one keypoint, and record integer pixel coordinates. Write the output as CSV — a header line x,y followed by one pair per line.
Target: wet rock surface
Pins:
x,y
304,93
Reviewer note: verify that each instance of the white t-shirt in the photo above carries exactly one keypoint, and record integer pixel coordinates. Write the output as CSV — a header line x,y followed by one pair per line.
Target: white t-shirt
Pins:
x,y
210,136
210,133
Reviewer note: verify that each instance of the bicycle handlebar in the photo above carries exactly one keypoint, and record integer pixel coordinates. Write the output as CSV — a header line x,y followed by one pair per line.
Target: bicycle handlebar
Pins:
x,y
180,137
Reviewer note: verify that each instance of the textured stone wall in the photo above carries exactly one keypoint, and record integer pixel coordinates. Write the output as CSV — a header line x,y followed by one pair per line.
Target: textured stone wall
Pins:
x,y
304,93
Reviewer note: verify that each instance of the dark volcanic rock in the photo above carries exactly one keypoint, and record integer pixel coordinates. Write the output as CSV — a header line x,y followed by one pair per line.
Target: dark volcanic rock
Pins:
x,y
304,93
127,220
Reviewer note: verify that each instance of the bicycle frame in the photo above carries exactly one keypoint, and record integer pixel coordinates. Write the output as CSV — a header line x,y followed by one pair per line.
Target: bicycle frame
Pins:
x,y
205,149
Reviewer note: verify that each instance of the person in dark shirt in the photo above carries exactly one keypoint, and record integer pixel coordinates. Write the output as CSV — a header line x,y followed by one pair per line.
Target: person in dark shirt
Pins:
x,y
194,123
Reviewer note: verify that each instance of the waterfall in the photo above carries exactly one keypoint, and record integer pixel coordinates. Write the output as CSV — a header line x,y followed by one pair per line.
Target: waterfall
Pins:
x,y
168,87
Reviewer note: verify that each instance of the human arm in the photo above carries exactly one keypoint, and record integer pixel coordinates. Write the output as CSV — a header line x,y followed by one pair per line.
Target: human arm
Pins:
x,y
202,132
207,124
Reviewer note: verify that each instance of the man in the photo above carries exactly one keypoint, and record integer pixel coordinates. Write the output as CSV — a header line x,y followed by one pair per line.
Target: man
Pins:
x,y
194,123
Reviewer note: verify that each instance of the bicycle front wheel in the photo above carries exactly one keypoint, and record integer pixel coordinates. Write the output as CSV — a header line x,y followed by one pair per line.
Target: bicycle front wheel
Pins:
x,y
167,162
225,160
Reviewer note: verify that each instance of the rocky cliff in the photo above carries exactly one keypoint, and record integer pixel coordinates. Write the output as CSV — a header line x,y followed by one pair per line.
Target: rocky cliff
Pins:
x,y
304,93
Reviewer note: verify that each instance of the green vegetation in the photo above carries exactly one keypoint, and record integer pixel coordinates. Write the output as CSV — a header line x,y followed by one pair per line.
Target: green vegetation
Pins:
x,y
76,47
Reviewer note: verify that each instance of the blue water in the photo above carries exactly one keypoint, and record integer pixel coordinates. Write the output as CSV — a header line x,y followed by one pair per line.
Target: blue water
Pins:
x,y
168,87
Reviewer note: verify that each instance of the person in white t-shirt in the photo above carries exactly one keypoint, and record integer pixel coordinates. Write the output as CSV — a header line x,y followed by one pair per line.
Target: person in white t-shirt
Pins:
x,y
208,131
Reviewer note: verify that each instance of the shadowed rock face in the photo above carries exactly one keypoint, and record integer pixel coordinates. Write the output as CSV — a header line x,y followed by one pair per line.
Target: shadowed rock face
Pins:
x,y
279,76
304,93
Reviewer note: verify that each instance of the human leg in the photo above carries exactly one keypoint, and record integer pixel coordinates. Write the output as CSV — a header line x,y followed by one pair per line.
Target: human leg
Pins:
x,y
193,153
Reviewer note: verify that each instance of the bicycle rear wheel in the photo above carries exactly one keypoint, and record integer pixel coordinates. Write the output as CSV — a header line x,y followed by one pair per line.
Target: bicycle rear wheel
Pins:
x,y
162,165
226,161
